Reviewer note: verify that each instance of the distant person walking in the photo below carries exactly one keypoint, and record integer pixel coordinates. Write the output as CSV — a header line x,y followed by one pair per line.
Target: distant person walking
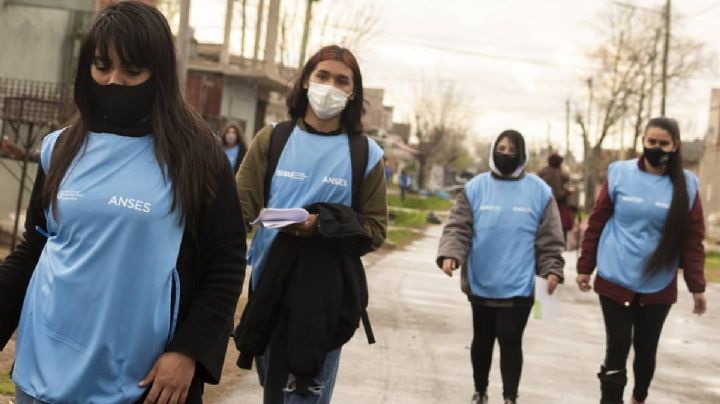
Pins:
x,y
308,284
503,231
405,184
558,179
647,222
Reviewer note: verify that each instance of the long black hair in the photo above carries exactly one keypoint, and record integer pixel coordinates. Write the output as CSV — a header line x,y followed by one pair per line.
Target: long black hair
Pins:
x,y
672,241
184,144
297,101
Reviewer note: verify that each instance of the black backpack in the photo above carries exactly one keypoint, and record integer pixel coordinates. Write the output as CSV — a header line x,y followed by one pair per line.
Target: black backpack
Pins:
x,y
358,161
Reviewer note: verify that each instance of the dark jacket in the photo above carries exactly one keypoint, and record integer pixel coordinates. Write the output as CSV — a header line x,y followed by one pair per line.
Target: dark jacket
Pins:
x,y
317,283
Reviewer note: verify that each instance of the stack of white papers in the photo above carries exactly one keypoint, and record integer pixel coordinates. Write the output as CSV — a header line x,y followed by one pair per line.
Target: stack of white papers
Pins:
x,y
546,306
277,218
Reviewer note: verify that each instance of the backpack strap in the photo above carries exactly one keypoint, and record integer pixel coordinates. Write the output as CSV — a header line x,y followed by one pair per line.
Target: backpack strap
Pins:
x,y
278,138
359,150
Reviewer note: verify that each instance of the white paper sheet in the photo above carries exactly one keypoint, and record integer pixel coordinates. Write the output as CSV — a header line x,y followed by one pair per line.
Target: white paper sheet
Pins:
x,y
277,218
546,306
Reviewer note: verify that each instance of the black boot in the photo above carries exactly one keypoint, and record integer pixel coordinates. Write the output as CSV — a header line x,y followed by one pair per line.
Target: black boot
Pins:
x,y
612,385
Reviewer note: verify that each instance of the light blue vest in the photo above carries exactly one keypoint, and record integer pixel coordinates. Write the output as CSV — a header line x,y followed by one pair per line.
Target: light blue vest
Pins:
x,y
641,202
506,216
99,308
311,169
232,153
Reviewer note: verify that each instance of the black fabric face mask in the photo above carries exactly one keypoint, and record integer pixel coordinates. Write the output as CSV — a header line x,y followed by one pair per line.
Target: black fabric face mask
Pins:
x,y
656,156
505,163
124,105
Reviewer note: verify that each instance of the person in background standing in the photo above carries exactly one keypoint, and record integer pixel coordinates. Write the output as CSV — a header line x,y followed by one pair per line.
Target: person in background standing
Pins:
x,y
405,184
557,179
234,146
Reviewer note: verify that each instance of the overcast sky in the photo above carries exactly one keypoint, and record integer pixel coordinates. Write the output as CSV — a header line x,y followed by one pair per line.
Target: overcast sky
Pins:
x,y
515,61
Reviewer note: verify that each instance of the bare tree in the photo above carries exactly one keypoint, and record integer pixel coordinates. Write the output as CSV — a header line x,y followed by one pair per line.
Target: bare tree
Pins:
x,y
349,24
171,10
626,81
440,128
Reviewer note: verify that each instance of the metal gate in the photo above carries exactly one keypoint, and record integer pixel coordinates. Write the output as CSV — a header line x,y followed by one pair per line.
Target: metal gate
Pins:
x,y
28,111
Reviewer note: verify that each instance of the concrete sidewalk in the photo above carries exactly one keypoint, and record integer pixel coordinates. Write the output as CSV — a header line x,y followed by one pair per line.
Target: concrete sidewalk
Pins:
x,y
423,326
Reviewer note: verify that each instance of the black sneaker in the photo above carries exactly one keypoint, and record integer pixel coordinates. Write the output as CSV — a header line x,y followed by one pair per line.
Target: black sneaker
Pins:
x,y
479,399
511,401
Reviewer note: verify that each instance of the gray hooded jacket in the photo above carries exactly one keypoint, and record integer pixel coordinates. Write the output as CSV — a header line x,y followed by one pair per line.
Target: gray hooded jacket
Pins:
x,y
456,241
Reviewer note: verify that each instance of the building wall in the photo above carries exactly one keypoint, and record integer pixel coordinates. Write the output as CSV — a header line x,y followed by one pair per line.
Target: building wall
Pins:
x,y
239,103
374,119
34,42
709,169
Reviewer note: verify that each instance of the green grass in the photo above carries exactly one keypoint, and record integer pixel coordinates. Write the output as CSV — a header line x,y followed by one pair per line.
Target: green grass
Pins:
x,y
712,266
7,386
409,219
402,237
419,202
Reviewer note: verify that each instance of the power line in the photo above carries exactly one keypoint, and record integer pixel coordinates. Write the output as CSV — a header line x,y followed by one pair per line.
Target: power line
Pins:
x,y
486,55
704,11
448,39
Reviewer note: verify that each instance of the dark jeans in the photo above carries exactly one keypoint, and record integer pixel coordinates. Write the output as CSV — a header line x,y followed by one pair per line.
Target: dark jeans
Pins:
x,y
506,324
637,325
279,384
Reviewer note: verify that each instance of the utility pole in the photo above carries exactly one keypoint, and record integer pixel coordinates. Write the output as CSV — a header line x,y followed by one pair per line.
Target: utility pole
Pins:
x,y
651,95
622,131
590,103
666,52
258,29
242,34
306,32
588,157
567,127
183,39
225,53
272,32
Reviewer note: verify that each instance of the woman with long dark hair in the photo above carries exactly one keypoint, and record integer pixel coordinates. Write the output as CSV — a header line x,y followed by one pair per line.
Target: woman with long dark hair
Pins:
x,y
503,231
233,145
126,283
647,222
308,282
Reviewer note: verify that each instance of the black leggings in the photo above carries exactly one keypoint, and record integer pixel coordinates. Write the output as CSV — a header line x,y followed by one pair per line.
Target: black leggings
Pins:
x,y
637,325
507,325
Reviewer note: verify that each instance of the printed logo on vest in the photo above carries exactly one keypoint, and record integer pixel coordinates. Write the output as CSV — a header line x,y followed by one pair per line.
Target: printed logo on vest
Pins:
x,y
521,209
662,205
340,182
130,203
69,195
293,175
493,208
632,199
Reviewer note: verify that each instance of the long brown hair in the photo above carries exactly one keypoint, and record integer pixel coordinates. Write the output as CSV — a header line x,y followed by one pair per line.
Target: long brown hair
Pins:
x,y
297,101
240,136
672,241
184,144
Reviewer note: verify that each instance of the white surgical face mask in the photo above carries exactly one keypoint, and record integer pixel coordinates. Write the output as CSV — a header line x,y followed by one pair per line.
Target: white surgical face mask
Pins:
x,y
326,100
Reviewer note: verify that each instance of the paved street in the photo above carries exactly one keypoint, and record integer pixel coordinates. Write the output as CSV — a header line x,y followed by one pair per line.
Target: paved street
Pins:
x,y
423,326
